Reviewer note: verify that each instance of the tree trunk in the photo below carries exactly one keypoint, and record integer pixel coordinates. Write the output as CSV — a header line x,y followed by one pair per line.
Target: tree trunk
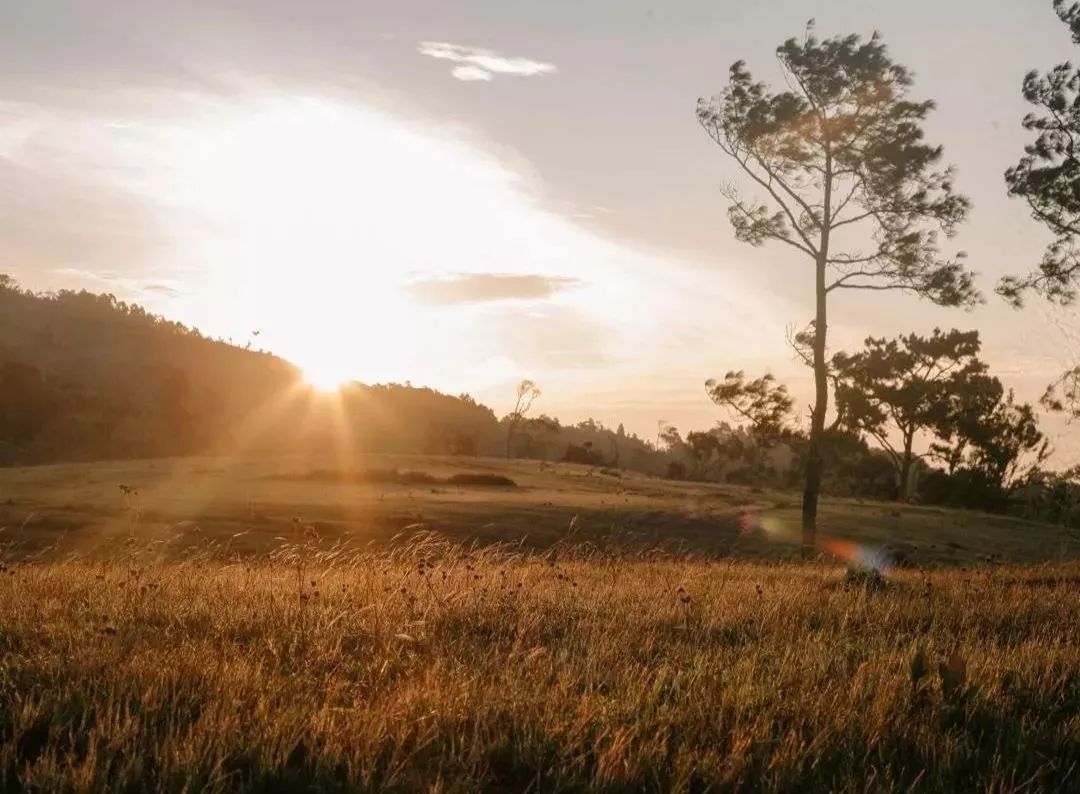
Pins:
x,y
817,420
821,376
905,471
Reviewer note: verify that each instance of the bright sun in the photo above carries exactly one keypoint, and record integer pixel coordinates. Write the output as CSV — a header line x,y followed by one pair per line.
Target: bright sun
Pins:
x,y
326,376
308,202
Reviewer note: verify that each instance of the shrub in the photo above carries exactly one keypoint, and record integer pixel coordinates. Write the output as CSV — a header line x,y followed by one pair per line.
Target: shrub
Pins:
x,y
474,478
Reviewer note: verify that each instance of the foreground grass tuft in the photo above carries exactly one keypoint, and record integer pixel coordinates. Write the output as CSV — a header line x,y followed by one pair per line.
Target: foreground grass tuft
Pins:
x,y
437,667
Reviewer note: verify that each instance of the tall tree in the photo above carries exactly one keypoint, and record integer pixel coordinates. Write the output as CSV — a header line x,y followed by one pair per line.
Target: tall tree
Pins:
x,y
901,387
535,435
1048,179
527,394
1048,175
845,179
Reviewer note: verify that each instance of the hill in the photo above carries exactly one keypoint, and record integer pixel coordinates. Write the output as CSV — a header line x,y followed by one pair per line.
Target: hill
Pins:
x,y
85,376
89,377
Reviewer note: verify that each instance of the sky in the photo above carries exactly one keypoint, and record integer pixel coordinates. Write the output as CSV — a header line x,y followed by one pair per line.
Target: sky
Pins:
x,y
464,194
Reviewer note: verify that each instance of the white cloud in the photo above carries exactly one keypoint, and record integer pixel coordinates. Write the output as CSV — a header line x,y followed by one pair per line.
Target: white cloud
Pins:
x,y
480,64
472,73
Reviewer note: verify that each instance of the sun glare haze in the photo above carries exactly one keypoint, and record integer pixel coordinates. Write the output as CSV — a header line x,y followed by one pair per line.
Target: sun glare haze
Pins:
x,y
326,378
493,396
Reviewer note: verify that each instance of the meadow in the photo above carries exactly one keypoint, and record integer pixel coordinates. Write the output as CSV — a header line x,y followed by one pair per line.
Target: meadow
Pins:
x,y
249,504
358,636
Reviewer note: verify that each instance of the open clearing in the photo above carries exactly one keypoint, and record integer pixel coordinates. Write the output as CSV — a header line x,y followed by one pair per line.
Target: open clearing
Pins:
x,y
629,633
251,504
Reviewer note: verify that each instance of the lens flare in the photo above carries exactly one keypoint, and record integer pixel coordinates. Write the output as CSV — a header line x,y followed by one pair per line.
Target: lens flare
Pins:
x,y
750,521
856,554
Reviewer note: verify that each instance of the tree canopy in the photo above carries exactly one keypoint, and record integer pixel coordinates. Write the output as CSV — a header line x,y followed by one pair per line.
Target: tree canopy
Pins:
x,y
1047,177
843,149
991,435
763,403
904,386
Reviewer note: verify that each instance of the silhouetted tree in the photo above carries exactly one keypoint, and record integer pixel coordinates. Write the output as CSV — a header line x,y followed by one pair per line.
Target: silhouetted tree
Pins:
x,y
990,435
704,451
670,439
1008,435
1048,175
850,184
1063,395
1048,179
535,435
904,385
1051,496
616,445
661,426
763,407
763,403
527,393
853,469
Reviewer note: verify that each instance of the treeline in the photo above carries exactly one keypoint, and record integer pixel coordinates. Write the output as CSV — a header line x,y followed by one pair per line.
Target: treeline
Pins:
x,y
917,418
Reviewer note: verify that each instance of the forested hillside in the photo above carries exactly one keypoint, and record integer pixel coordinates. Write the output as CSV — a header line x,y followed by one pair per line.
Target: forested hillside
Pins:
x,y
85,376
88,377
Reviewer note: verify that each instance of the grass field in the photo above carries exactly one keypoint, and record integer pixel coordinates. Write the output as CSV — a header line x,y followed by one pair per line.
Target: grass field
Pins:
x,y
224,625
433,668
250,504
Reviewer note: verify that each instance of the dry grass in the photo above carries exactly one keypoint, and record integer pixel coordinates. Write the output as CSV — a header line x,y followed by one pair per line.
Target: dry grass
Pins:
x,y
436,667
80,507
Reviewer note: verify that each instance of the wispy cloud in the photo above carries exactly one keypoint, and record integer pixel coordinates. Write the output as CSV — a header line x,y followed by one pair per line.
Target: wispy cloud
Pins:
x,y
482,65
112,281
487,287
162,289
553,338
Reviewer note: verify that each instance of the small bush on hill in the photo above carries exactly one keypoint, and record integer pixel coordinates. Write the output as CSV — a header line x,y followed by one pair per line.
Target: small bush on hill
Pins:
x,y
493,480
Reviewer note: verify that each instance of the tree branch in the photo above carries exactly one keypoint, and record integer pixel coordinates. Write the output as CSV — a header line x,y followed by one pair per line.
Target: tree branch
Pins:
x,y
783,205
